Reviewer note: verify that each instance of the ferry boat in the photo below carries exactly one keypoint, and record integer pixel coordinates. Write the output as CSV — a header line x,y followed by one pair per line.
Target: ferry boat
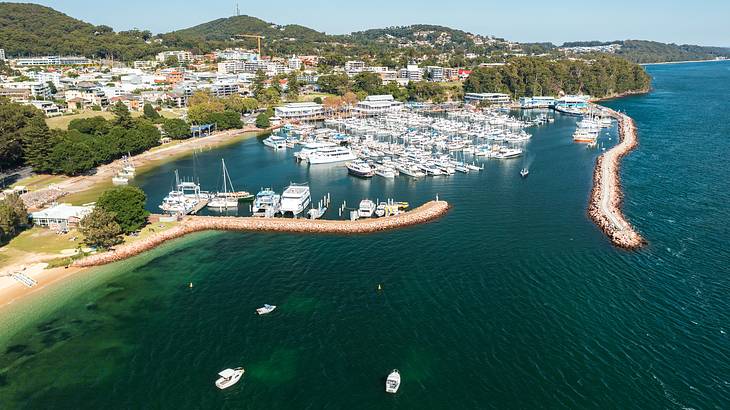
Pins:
x,y
366,209
295,199
360,169
266,204
229,377
392,383
330,155
276,142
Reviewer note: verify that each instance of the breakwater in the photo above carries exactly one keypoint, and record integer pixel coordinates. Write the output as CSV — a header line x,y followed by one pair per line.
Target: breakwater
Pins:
x,y
424,213
606,196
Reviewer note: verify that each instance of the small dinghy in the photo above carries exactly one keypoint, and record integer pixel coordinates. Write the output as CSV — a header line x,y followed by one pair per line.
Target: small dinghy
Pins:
x,y
229,377
266,309
392,383
524,173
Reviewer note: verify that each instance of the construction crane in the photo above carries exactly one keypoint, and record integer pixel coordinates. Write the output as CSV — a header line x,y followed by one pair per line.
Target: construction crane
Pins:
x,y
258,38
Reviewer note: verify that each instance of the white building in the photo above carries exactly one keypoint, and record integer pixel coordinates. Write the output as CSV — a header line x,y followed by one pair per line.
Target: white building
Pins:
x,y
492,98
37,89
436,73
45,77
144,64
60,217
182,56
300,111
377,104
354,66
411,73
52,60
295,63
49,108
2,54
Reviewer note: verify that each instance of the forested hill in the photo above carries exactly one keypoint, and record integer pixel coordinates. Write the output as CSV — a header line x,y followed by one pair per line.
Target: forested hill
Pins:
x,y
31,29
642,51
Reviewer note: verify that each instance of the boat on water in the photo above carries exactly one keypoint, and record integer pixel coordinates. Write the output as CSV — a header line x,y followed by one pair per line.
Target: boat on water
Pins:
x,y
329,155
366,209
266,204
295,199
360,169
229,377
385,171
222,200
524,172
120,180
276,142
507,153
311,147
392,383
187,197
265,309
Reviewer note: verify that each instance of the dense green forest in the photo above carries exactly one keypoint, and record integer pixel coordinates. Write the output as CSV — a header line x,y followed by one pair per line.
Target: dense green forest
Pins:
x,y
641,51
26,139
30,29
603,77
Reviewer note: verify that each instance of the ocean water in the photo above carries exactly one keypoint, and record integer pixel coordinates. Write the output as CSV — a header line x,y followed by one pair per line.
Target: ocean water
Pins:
x,y
513,300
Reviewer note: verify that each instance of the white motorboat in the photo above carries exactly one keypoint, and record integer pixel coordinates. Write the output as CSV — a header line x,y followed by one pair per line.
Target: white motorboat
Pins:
x,y
385,171
312,147
392,383
265,309
329,155
507,153
229,377
295,199
524,173
360,169
266,204
366,209
276,142
120,180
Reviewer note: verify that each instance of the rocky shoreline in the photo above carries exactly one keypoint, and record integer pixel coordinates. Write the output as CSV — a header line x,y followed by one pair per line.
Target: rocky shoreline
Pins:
x,y
606,196
190,224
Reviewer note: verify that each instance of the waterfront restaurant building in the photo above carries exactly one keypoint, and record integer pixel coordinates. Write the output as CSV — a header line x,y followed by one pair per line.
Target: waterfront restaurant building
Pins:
x,y
492,98
377,105
60,217
300,111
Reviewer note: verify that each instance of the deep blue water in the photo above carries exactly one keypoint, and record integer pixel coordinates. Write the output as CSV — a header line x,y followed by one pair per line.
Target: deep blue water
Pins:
x,y
513,300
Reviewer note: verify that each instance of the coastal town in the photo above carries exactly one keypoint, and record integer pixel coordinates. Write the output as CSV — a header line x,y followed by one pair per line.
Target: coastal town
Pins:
x,y
333,112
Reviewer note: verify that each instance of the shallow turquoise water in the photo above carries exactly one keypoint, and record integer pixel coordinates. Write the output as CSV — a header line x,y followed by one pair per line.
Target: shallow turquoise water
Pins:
x,y
513,300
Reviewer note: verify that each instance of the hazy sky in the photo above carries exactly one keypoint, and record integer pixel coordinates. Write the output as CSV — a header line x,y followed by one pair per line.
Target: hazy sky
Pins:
x,y
705,22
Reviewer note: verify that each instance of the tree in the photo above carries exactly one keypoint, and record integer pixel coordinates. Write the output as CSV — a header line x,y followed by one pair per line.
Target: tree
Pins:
x,y
293,86
172,61
176,128
126,203
263,121
100,230
334,84
16,121
122,117
259,82
317,100
150,113
52,87
13,216
367,82
37,146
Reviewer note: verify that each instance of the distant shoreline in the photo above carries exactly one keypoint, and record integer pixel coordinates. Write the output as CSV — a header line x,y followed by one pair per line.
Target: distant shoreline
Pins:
x,y
685,62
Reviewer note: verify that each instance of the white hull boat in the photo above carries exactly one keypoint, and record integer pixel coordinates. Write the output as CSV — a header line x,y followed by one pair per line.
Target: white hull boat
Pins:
x,y
392,383
229,377
266,309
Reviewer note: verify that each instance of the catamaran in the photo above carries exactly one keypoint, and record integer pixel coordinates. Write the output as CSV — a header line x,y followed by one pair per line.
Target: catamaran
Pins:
x,y
224,200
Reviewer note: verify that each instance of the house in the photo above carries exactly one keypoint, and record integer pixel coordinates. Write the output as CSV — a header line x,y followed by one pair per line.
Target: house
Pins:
x,y
49,108
61,217
300,111
377,104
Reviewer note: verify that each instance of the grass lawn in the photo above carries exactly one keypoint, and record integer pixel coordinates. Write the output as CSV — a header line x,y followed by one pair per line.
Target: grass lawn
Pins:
x,y
89,195
44,240
36,182
312,96
149,230
62,121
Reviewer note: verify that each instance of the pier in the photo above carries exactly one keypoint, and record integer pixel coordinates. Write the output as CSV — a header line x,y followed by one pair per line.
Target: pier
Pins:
x,y
189,224
606,197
